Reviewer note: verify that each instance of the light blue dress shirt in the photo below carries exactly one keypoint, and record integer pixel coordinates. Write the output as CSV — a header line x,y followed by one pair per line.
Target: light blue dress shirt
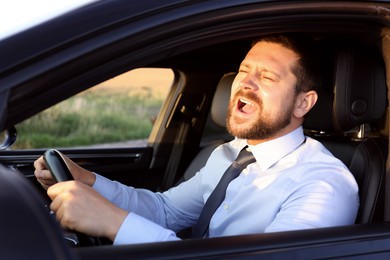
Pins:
x,y
295,183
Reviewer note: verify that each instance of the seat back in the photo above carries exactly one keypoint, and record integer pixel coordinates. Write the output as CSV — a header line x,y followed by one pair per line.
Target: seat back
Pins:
x,y
27,229
344,120
354,99
218,112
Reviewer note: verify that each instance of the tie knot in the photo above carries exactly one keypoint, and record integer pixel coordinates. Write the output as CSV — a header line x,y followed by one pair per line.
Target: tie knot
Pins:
x,y
245,158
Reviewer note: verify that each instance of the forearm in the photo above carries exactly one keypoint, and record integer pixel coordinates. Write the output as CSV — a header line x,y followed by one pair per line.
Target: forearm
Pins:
x,y
176,209
142,202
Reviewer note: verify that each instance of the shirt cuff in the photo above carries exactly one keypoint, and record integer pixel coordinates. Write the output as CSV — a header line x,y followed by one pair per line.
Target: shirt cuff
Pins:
x,y
136,229
104,186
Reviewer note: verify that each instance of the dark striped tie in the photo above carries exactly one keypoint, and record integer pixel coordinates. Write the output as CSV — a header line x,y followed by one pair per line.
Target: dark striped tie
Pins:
x,y
243,159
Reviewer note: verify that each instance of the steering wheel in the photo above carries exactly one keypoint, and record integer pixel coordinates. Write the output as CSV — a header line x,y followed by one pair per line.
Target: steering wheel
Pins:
x,y
57,165
60,172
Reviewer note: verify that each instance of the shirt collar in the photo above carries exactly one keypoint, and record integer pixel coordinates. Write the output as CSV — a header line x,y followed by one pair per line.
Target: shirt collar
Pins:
x,y
270,152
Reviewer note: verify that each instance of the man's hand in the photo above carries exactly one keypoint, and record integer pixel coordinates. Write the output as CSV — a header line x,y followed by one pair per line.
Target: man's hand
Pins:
x,y
79,207
44,176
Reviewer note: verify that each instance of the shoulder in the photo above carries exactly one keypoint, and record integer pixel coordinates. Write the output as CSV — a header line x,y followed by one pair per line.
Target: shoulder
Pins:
x,y
318,163
315,151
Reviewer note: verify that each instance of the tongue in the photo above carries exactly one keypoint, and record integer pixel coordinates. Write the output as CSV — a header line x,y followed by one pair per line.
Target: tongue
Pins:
x,y
248,109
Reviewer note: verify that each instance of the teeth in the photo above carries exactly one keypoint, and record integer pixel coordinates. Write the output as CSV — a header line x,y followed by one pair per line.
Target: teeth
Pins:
x,y
246,102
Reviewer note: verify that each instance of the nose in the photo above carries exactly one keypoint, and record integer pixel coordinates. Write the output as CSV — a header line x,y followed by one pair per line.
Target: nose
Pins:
x,y
248,82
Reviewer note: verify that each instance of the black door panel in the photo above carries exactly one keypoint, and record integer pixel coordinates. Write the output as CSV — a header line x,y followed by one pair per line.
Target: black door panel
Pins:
x,y
127,165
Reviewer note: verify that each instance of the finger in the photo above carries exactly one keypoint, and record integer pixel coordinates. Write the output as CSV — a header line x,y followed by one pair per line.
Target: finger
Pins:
x,y
55,206
43,174
56,189
39,164
44,178
59,195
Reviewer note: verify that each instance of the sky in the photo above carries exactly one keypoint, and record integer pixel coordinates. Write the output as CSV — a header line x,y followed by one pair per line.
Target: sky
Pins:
x,y
17,15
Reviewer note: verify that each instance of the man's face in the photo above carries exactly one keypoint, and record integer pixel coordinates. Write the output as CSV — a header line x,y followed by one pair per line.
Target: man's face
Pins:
x,y
263,93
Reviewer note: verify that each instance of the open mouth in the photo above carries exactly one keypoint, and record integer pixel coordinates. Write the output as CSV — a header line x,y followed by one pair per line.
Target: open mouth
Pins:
x,y
245,106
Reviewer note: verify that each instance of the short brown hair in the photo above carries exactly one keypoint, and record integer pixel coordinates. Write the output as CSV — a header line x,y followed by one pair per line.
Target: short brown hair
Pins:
x,y
307,70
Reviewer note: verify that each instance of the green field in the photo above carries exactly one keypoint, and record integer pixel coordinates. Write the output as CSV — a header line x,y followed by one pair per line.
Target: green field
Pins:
x,y
92,117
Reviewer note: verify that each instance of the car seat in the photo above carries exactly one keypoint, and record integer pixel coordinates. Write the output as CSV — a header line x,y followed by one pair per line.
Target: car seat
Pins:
x,y
351,103
344,121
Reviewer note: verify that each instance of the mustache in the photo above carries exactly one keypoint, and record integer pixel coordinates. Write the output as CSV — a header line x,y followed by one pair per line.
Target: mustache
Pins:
x,y
250,96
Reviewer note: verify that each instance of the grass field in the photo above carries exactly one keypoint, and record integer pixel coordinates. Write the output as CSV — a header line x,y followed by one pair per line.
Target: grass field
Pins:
x,y
118,110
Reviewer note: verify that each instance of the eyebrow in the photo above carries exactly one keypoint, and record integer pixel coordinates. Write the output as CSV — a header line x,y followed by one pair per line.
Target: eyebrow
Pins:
x,y
244,64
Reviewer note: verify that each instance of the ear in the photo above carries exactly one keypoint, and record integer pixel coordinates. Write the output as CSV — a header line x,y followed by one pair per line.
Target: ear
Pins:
x,y
305,101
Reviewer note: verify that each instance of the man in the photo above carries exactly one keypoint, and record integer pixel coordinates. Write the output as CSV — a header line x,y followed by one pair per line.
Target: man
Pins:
x,y
295,182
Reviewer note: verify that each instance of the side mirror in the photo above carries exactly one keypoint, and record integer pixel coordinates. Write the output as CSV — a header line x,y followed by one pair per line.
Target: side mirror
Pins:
x,y
8,138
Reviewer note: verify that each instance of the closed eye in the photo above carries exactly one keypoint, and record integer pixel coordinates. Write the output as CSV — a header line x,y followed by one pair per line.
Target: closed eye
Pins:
x,y
269,77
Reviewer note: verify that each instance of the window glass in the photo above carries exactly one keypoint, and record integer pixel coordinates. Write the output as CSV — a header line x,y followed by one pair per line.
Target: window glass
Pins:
x,y
118,112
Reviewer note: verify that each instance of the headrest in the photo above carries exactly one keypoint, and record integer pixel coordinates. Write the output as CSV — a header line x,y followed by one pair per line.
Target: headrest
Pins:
x,y
221,99
357,95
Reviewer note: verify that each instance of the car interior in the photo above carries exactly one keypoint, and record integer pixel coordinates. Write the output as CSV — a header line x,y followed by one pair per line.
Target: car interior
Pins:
x,y
350,119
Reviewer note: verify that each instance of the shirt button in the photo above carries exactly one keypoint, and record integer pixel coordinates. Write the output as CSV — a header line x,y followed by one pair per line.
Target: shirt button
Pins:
x,y
226,207
245,171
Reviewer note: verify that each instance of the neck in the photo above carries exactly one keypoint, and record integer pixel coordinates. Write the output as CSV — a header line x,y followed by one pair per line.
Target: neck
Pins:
x,y
278,134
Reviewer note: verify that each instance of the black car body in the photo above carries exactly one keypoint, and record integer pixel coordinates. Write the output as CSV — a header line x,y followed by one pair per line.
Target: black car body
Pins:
x,y
201,41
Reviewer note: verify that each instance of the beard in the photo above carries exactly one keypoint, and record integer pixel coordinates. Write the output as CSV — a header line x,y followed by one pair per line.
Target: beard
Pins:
x,y
263,126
